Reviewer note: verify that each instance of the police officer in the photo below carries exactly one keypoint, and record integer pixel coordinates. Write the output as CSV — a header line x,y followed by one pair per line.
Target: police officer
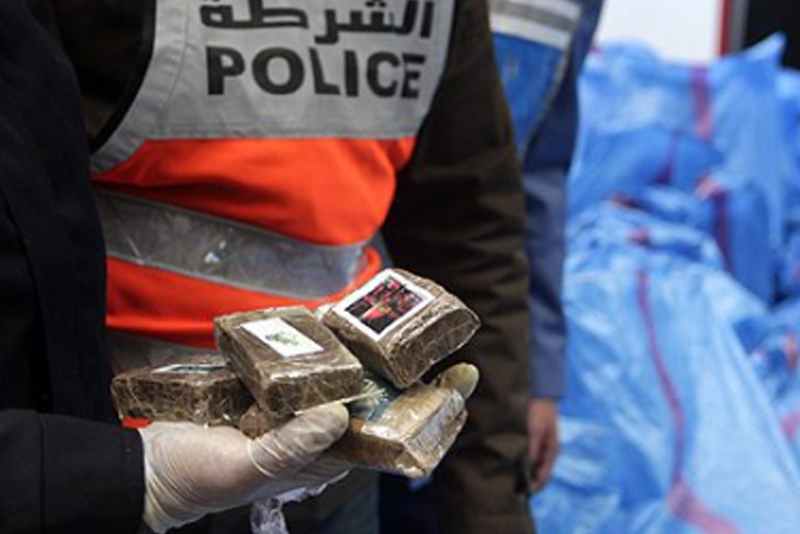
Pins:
x,y
247,153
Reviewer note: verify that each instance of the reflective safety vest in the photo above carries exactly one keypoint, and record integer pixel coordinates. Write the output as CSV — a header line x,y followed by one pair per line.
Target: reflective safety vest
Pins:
x,y
532,40
257,159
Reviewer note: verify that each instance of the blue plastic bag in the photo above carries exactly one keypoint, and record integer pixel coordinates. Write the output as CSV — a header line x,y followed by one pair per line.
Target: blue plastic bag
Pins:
x,y
666,426
624,161
738,217
777,362
660,228
620,235
733,105
788,268
719,133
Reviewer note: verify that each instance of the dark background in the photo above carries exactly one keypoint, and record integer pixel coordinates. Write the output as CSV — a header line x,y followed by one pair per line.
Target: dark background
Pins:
x,y
768,16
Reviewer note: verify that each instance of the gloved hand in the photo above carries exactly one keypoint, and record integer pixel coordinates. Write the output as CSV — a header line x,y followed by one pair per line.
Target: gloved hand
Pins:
x,y
191,470
463,377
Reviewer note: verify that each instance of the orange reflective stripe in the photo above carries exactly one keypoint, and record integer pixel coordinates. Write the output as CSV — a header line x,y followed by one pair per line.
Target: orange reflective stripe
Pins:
x,y
320,190
174,308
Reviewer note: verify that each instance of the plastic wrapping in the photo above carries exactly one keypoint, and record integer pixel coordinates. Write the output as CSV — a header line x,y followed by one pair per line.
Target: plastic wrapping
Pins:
x,y
400,325
403,432
199,389
718,133
128,351
663,408
266,517
288,359
775,360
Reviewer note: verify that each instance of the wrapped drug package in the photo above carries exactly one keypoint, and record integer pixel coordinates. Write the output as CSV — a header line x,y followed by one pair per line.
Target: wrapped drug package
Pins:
x,y
400,324
403,432
255,421
288,359
200,389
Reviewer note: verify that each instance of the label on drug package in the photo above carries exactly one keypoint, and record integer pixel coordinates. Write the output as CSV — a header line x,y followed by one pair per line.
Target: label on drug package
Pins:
x,y
383,304
282,337
190,369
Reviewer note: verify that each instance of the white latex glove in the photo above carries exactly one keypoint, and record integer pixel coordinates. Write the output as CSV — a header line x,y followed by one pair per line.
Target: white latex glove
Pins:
x,y
191,470
463,377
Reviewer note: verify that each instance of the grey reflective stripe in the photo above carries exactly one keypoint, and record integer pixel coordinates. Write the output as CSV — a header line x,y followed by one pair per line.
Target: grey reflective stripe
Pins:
x,y
551,22
568,9
222,251
292,68
132,352
155,92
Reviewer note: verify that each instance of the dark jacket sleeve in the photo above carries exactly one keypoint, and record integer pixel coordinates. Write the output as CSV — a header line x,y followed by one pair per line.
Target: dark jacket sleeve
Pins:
x,y
459,220
62,475
58,474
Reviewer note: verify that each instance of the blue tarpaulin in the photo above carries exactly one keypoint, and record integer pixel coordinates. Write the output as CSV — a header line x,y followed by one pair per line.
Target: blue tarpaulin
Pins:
x,y
666,425
682,295
717,132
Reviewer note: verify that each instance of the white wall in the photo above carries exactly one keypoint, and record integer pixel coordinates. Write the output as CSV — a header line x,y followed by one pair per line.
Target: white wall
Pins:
x,y
686,30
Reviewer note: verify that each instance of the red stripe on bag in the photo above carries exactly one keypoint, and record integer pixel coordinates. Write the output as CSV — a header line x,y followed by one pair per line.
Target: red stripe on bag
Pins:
x,y
710,189
682,500
701,97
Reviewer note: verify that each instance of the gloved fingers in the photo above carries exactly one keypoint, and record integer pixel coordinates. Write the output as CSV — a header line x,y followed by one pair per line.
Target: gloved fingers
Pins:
x,y
192,470
188,471
326,468
165,428
463,377
283,451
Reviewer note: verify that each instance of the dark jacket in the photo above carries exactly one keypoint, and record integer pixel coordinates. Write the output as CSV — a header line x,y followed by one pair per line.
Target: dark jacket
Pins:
x,y
458,218
765,17
58,473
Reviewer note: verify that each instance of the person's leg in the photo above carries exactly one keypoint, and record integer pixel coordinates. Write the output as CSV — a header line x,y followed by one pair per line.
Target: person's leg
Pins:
x,y
357,515
404,510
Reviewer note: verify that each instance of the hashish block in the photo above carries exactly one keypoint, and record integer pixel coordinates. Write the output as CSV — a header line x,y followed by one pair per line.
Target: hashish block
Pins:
x,y
403,432
256,422
198,389
399,325
288,359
